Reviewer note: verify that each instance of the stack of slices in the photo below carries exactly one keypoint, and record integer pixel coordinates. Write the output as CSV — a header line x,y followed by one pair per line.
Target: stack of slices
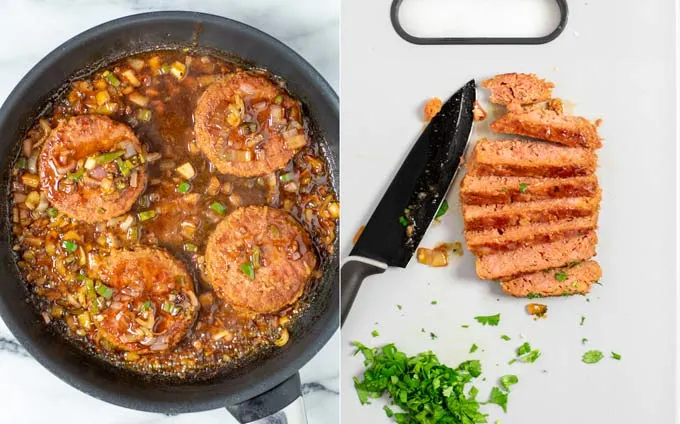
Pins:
x,y
530,207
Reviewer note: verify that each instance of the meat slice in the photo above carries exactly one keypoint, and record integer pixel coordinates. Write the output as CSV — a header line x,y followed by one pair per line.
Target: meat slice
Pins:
x,y
484,190
547,124
530,159
574,279
506,215
519,89
490,240
536,257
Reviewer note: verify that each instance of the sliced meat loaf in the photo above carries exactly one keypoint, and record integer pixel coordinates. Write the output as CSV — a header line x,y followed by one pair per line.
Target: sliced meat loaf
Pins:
x,y
478,217
574,279
530,159
519,89
536,257
487,241
547,124
488,189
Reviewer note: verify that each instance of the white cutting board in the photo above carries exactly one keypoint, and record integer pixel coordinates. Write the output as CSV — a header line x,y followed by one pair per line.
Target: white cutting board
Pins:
x,y
615,60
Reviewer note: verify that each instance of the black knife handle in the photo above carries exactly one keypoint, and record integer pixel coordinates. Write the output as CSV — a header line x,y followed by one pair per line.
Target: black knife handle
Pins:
x,y
352,274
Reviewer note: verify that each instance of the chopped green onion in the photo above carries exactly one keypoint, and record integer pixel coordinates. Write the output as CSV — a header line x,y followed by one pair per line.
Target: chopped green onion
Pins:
x,y
76,176
561,276
146,215
287,177
125,166
248,269
190,247
69,245
92,296
111,78
144,115
145,306
218,207
105,158
52,212
165,68
522,188
403,221
21,163
103,291
278,99
183,187
170,308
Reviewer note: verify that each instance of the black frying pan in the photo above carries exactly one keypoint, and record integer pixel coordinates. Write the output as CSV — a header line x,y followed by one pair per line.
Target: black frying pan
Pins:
x,y
254,390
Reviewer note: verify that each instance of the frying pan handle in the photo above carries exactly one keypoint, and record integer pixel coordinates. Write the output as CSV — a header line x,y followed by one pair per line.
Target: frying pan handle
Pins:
x,y
281,405
352,274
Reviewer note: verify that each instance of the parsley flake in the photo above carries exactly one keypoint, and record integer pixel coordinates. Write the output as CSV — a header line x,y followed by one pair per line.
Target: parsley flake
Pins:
x,y
508,380
473,348
499,398
403,221
506,338
616,356
592,357
375,333
583,319
561,276
522,188
442,209
491,320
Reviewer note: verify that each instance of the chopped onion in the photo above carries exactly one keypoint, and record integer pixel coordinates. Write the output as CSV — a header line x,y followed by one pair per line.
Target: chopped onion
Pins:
x,y
153,157
98,172
134,179
90,163
289,133
116,306
32,164
130,149
259,107
136,64
276,113
138,99
27,147
43,204
192,298
127,223
186,170
131,77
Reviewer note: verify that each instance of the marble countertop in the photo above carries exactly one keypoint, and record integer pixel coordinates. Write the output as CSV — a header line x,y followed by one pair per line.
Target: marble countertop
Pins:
x,y
30,394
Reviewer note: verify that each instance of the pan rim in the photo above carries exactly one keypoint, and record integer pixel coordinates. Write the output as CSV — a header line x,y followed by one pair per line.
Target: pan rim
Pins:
x,y
216,400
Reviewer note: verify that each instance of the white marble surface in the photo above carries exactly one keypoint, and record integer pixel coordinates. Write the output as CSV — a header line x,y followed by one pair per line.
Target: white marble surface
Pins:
x,y
30,29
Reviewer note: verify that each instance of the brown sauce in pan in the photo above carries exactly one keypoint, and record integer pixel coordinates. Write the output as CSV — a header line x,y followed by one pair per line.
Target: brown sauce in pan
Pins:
x,y
155,94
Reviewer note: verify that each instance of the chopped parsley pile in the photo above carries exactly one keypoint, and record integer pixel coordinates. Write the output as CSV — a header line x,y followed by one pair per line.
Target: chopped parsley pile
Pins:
x,y
425,390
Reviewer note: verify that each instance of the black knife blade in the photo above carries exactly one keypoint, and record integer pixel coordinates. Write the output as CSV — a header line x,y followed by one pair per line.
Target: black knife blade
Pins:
x,y
411,201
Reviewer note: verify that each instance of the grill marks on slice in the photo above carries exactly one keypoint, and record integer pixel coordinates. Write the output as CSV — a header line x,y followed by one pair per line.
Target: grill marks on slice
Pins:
x,y
530,159
491,240
537,257
506,215
546,124
488,189
574,279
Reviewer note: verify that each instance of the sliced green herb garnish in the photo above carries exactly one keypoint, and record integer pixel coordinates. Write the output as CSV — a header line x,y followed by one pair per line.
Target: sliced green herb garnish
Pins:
x,y
22,163
248,269
183,187
525,348
399,307
77,175
70,246
584,340
465,326
499,398
146,215
287,177
616,356
108,157
170,308
434,302
473,348
526,354
103,291
492,320
592,357
442,209
403,221
506,338
190,247
52,212
534,295
111,78
522,188
278,99
433,336
218,207
583,319
420,385
508,380
145,306
561,276
375,333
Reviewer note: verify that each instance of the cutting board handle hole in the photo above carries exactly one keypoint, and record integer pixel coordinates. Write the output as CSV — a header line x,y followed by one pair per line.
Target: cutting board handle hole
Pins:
x,y
479,21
